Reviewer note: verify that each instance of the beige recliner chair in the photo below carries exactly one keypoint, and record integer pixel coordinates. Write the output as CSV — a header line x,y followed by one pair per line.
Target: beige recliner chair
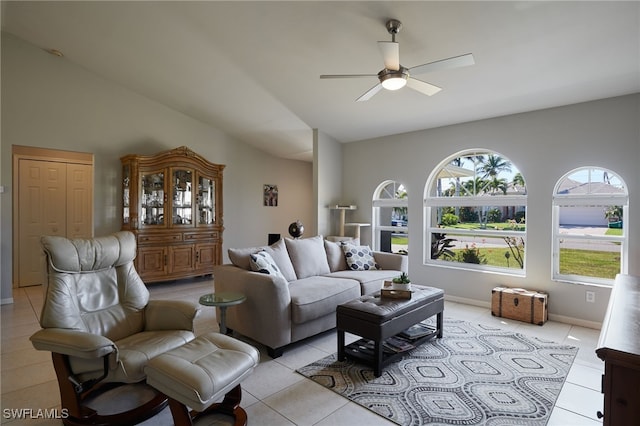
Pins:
x,y
101,327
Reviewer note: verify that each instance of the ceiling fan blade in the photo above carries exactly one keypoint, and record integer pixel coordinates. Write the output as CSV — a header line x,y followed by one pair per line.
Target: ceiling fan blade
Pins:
x,y
369,93
422,86
347,75
391,54
444,64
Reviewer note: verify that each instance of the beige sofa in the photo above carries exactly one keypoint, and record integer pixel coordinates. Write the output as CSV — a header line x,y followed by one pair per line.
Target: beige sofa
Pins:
x,y
298,297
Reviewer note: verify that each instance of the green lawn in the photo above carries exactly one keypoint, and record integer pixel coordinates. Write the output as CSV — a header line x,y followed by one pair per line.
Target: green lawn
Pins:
x,y
591,263
401,241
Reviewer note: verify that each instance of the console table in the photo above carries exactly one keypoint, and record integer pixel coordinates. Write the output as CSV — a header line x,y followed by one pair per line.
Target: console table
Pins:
x,y
619,348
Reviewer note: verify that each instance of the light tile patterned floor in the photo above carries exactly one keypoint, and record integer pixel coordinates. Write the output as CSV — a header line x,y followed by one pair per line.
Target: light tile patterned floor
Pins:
x,y
275,394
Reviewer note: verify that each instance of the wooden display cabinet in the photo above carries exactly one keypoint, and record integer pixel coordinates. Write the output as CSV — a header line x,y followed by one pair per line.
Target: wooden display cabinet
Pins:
x,y
172,202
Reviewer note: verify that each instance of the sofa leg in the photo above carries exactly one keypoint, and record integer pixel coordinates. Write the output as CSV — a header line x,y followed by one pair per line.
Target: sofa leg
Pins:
x,y
275,353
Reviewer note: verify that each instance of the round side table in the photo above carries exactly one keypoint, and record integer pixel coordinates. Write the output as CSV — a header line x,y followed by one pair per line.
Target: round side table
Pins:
x,y
222,300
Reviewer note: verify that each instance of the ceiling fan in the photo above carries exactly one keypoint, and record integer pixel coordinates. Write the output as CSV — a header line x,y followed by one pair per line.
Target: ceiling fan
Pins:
x,y
394,76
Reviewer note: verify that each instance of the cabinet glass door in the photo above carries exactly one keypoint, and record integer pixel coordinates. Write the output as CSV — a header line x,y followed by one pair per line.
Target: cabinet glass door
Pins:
x,y
153,199
126,181
206,201
181,213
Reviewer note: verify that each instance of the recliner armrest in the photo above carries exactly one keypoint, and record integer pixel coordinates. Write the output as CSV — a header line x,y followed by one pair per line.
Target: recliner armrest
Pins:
x,y
392,261
72,342
170,315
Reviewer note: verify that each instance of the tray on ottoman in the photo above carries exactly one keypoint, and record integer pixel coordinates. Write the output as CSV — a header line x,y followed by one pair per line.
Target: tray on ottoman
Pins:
x,y
378,319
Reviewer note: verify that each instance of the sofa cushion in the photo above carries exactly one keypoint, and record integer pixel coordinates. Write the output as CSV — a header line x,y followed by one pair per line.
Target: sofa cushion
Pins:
x,y
264,263
370,281
308,256
359,258
280,255
315,297
335,256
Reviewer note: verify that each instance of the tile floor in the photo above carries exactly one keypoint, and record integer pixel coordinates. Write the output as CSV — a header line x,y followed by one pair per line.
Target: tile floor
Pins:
x,y
275,394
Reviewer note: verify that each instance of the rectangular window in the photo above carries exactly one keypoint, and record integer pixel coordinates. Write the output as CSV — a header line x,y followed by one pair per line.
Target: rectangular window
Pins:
x,y
588,243
590,238
589,257
484,237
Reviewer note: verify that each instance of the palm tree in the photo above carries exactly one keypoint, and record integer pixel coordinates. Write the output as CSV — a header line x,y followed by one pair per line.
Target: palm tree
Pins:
x,y
452,190
518,180
497,184
475,186
492,165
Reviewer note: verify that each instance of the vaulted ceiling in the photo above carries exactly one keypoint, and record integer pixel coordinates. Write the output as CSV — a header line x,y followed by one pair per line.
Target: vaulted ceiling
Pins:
x,y
251,69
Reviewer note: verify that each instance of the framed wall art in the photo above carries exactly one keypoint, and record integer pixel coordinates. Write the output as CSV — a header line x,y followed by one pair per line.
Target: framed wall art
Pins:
x,y
270,195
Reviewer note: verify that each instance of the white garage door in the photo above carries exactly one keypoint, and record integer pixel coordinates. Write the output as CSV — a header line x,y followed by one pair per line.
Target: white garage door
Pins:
x,y
584,216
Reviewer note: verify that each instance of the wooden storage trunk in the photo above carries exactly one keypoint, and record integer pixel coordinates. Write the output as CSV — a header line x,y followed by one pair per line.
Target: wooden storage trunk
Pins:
x,y
519,304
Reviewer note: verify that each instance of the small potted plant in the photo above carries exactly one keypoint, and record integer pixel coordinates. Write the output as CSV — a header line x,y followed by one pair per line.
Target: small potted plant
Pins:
x,y
402,282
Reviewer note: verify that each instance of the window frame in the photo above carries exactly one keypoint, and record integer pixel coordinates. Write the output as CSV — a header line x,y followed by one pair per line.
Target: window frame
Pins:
x,y
377,203
593,200
433,201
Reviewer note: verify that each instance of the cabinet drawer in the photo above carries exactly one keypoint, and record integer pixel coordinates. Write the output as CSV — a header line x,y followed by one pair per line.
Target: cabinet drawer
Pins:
x,y
195,236
159,238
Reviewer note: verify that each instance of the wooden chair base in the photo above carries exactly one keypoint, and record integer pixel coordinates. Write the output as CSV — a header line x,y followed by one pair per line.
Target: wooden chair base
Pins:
x,y
130,417
79,414
229,406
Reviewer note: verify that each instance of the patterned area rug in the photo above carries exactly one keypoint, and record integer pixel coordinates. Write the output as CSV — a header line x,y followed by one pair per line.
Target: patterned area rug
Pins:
x,y
474,375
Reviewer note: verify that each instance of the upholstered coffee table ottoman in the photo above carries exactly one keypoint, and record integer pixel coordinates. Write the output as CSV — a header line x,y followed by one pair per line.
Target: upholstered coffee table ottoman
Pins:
x,y
199,373
375,318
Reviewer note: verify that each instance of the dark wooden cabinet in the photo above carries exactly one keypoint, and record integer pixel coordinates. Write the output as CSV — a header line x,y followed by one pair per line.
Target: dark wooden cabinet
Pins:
x,y
172,202
619,348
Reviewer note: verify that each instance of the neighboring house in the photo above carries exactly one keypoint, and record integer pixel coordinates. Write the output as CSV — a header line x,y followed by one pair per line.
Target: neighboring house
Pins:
x,y
585,215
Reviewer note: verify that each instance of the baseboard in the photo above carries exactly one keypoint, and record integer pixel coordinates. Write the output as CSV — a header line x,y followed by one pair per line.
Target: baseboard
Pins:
x,y
553,317
464,300
575,321
8,301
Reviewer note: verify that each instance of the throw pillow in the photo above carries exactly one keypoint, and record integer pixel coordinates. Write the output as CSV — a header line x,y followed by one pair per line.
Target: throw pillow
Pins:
x,y
308,256
264,263
359,258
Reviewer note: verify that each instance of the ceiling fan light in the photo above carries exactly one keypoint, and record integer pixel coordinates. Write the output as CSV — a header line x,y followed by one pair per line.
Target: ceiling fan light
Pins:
x,y
394,82
393,79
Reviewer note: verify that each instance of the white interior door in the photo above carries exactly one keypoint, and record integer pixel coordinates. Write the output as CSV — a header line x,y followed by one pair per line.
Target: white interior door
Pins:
x,y
42,199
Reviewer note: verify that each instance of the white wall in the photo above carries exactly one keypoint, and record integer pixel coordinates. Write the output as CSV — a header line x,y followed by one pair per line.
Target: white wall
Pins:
x,y
544,145
49,102
328,176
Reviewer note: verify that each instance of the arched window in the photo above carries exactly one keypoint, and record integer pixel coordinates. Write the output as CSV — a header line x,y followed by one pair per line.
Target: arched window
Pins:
x,y
390,218
589,230
475,210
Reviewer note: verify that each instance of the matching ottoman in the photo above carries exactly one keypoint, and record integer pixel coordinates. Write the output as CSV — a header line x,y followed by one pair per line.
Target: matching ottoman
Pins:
x,y
199,373
376,318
